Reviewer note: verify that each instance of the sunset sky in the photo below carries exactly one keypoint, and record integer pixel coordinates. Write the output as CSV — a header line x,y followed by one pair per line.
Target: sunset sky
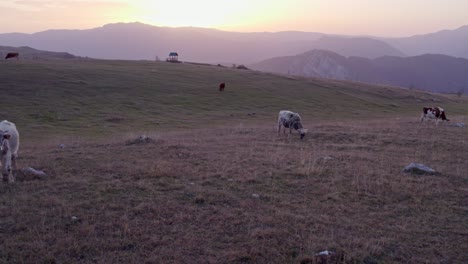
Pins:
x,y
390,18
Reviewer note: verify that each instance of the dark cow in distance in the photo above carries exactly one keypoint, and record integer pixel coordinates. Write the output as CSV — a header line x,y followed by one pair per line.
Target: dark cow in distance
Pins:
x,y
221,86
12,55
436,113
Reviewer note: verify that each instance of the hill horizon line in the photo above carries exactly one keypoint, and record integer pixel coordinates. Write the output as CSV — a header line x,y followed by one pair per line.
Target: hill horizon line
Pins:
x,y
234,31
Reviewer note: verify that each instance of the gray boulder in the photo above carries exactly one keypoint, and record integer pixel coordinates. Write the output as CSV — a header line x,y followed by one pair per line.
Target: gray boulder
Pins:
x,y
30,172
143,139
417,168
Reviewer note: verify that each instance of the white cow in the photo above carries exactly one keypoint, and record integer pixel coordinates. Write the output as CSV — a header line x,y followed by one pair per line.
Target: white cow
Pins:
x,y
288,119
9,144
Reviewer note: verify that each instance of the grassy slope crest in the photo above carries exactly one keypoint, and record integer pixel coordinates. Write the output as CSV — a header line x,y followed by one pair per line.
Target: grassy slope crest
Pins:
x,y
102,97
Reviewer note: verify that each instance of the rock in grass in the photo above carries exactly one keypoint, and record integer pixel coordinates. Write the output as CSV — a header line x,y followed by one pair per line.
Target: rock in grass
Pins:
x,y
417,168
460,124
143,139
324,253
28,171
325,158
326,256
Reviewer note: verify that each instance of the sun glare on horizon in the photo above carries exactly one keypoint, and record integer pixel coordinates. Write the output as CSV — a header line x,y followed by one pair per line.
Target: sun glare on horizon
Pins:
x,y
220,14
179,13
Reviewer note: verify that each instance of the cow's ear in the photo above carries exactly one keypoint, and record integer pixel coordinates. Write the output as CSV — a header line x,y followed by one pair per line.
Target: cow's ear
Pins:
x,y
6,136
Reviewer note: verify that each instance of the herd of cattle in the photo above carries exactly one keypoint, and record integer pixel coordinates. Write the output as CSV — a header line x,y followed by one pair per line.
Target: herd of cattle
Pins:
x,y
288,119
9,136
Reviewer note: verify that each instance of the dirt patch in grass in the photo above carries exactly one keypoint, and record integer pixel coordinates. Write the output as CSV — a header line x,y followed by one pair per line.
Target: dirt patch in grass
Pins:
x,y
243,195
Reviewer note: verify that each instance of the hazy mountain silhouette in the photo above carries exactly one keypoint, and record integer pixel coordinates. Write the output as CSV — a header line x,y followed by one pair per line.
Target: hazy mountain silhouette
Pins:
x,y
140,41
448,42
30,53
356,46
436,73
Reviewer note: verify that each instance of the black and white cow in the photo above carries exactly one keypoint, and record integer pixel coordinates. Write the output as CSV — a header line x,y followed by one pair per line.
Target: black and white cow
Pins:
x,y
436,113
288,119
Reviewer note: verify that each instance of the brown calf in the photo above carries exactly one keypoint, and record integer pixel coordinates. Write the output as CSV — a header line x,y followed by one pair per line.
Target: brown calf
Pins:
x,y
12,55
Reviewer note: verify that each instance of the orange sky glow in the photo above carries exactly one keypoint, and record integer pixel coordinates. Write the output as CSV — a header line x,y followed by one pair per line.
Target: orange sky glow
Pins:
x,y
389,18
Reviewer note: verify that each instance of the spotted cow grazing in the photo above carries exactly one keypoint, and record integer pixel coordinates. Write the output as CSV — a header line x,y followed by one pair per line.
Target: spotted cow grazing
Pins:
x,y
9,144
288,119
436,113
12,55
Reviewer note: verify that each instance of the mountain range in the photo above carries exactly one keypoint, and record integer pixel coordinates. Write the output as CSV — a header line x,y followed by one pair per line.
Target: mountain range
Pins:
x,y
138,41
447,42
434,62
430,72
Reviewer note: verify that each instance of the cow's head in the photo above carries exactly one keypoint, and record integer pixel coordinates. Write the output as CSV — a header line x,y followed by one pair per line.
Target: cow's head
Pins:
x,y
4,135
443,117
303,132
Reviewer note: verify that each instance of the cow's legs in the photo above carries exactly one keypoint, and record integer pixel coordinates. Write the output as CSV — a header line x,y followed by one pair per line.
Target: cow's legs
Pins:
x,y
13,162
284,129
6,173
11,178
13,166
6,168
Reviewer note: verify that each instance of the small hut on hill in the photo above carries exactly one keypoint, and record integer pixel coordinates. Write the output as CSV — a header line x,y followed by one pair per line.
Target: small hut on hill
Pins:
x,y
173,57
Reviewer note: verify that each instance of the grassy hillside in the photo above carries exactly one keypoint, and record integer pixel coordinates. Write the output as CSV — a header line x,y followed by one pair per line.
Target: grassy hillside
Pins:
x,y
102,97
217,185
243,195
34,54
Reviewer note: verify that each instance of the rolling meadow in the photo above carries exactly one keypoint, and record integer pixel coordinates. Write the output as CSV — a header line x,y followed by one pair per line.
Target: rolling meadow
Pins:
x,y
212,181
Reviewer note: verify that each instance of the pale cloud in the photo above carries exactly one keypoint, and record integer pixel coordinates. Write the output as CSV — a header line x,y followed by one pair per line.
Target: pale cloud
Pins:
x,y
37,5
31,16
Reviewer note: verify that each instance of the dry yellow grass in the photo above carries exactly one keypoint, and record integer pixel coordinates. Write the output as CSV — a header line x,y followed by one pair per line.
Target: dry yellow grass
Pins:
x,y
242,194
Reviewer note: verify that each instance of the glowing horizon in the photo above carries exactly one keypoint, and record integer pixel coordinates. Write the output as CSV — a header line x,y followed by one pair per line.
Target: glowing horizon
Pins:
x,y
397,18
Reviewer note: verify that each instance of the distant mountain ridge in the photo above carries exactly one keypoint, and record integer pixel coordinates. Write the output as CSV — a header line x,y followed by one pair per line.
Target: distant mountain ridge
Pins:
x,y
356,46
448,42
30,53
136,41
430,72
